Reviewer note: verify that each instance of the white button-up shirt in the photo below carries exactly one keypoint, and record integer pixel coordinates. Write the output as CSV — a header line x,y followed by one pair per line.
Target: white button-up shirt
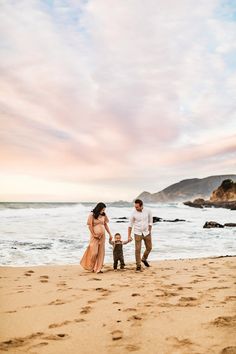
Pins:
x,y
141,220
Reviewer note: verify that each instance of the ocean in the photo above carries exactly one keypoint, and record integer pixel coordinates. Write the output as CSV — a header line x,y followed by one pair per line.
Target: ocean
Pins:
x,y
56,233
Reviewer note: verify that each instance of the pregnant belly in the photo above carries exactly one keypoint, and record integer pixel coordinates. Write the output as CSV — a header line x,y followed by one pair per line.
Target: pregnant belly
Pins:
x,y
99,229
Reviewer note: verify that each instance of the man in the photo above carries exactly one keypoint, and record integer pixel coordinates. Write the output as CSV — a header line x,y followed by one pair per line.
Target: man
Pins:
x,y
141,220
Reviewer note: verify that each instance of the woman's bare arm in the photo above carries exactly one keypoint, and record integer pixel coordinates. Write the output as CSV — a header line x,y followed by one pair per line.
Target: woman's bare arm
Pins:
x,y
108,230
90,226
92,230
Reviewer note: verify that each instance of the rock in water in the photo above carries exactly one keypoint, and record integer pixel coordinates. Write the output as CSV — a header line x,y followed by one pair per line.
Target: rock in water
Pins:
x,y
211,224
156,219
230,224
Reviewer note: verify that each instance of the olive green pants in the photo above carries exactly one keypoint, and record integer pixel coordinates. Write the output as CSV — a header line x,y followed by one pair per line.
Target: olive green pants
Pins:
x,y
138,245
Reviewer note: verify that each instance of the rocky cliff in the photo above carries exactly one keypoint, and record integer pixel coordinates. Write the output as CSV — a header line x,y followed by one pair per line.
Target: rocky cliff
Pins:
x,y
226,192
186,189
222,197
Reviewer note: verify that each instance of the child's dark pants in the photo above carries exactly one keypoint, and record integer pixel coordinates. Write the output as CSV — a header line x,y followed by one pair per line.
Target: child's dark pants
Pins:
x,y
118,256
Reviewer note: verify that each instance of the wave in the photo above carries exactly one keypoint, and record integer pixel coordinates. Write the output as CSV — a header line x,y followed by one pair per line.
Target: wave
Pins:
x,y
35,205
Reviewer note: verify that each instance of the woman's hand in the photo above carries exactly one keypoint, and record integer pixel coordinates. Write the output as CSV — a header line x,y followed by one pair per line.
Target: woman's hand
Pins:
x,y
110,238
98,236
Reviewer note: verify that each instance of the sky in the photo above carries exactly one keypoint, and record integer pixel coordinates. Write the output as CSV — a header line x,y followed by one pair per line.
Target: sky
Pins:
x,y
103,99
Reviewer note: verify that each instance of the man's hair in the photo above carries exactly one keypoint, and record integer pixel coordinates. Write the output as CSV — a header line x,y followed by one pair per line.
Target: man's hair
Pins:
x,y
117,234
138,201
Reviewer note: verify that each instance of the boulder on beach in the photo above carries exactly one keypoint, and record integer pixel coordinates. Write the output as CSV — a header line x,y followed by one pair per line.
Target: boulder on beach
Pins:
x,y
155,219
212,224
197,203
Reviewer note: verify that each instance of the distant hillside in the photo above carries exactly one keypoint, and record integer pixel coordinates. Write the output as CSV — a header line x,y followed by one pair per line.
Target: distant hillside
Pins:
x,y
186,189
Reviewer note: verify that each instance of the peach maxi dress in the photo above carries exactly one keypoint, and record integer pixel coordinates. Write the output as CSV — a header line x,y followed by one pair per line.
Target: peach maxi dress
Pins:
x,y
93,257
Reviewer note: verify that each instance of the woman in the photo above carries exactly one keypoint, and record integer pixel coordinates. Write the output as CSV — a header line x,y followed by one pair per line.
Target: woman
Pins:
x,y
94,255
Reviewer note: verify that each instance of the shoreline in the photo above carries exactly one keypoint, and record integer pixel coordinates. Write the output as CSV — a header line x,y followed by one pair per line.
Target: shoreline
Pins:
x,y
110,263
178,306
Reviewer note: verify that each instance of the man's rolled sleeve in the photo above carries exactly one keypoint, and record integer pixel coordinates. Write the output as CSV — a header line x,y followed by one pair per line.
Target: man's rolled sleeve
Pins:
x,y
131,221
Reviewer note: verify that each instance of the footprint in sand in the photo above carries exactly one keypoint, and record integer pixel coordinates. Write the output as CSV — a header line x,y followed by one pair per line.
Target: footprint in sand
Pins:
x,y
62,283
170,294
57,302
165,276
96,279
230,298
136,320
105,292
19,341
58,336
165,304
177,343
224,321
101,289
55,325
117,303
187,301
77,320
85,310
135,294
44,278
28,273
147,304
180,288
135,317
41,344
228,350
117,334
132,348
12,343
129,309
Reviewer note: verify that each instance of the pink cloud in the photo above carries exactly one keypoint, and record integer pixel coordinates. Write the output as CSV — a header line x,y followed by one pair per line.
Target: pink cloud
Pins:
x,y
107,95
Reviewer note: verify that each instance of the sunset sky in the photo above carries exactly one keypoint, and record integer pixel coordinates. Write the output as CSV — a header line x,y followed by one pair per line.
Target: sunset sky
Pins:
x,y
103,99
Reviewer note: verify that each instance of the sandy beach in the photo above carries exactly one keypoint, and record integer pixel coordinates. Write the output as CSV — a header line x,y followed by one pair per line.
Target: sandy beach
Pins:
x,y
177,306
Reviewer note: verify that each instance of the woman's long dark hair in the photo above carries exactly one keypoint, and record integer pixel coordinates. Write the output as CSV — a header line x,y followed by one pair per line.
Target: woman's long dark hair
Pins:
x,y
96,211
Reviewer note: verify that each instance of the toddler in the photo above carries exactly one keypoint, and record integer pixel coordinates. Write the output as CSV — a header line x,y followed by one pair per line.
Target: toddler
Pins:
x,y
118,250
